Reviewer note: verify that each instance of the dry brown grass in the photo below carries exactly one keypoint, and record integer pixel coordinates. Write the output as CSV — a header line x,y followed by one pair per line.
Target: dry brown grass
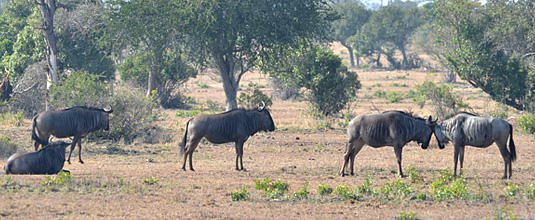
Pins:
x,y
113,182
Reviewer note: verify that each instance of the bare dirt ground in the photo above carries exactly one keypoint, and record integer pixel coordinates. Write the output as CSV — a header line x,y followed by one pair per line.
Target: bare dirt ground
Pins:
x,y
118,181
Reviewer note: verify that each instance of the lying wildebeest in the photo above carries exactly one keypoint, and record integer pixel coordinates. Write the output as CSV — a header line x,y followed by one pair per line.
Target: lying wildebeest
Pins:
x,y
468,129
232,126
49,160
391,128
77,121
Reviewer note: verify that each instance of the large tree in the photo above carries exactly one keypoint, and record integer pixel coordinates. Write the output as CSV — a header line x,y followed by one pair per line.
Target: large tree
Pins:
x,y
353,16
149,29
236,33
471,48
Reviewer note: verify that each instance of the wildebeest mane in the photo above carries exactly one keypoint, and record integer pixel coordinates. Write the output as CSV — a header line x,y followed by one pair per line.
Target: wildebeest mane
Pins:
x,y
458,113
84,107
409,114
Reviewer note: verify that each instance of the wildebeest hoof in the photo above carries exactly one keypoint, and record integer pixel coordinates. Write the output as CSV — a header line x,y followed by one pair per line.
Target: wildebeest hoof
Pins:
x,y
191,169
82,162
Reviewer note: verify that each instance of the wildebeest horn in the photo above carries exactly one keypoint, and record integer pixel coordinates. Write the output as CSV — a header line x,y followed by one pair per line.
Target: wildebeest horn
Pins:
x,y
263,106
108,110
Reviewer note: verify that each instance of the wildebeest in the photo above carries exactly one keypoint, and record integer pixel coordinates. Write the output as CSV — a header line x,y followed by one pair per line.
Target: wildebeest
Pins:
x,y
468,129
232,126
391,128
77,121
49,160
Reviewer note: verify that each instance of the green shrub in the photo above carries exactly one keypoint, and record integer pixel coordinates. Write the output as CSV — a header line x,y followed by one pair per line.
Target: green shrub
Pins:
x,y
414,175
527,123
239,195
80,89
379,94
442,98
365,188
449,188
7,147
252,97
396,189
512,189
324,190
273,190
407,216
151,180
345,192
531,192
63,178
395,97
303,192
9,118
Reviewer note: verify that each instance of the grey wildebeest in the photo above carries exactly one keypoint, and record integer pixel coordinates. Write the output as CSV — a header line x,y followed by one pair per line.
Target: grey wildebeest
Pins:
x,y
77,122
391,128
467,129
49,160
232,126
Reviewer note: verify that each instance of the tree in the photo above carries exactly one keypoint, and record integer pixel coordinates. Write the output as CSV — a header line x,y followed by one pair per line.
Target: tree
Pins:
x,y
149,28
320,71
236,33
393,26
48,9
463,29
353,17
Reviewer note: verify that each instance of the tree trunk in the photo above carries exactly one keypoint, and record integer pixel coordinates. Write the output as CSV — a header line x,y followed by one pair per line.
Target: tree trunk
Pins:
x,y
350,51
405,61
48,9
230,84
153,73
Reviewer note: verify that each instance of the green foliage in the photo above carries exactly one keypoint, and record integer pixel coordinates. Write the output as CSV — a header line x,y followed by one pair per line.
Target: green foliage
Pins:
x,y
379,94
531,192
133,113
7,146
273,190
80,89
151,180
253,97
503,214
330,84
365,188
9,118
239,195
395,97
442,98
324,190
346,192
414,175
303,192
407,216
449,188
512,189
63,178
396,189
526,123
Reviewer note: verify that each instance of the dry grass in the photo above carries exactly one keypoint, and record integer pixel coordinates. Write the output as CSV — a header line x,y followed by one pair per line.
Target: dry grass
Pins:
x,y
119,182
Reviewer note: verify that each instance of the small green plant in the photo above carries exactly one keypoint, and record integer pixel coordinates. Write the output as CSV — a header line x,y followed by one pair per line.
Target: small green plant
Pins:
x,y
449,188
504,213
531,192
396,189
512,189
9,118
414,175
7,146
272,189
365,188
319,148
407,215
63,178
379,94
421,196
203,85
303,192
345,192
151,180
527,123
324,190
7,181
395,97
239,195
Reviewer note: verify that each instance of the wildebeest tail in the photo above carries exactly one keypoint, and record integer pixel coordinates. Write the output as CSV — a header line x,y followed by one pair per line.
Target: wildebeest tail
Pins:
x,y
512,147
183,145
34,135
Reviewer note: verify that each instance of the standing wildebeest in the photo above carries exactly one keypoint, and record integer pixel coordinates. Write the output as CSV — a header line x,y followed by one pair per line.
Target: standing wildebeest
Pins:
x,y
468,129
77,121
232,126
49,160
391,128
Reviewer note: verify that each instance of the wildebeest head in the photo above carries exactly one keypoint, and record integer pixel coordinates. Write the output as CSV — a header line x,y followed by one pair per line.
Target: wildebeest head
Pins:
x,y
435,128
266,122
105,123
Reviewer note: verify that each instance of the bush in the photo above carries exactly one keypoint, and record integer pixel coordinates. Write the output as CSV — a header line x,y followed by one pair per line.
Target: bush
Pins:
x,y
303,192
324,190
527,123
273,190
239,195
443,101
80,89
252,97
10,119
7,147
282,90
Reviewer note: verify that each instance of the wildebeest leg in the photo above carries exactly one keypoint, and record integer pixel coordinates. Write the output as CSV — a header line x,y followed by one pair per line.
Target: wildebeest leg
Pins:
x,y
239,154
349,149
456,149
80,150
189,152
461,159
397,151
73,145
506,159
354,152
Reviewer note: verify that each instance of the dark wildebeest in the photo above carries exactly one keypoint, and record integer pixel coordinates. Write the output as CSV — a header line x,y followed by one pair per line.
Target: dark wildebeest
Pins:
x,y
468,129
391,128
49,160
232,126
77,121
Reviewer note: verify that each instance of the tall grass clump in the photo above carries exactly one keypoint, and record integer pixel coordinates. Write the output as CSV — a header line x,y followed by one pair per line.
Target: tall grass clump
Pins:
x,y
11,119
